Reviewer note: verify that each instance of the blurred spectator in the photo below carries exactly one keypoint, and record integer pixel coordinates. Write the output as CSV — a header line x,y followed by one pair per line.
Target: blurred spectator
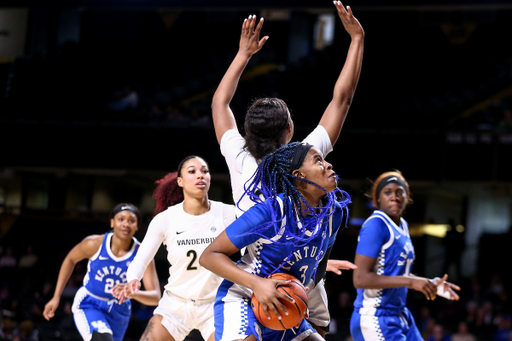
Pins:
x,y
505,124
484,320
428,330
123,99
27,331
438,334
29,259
471,315
41,296
424,319
504,328
341,313
8,267
8,260
454,245
495,289
463,333
176,118
9,331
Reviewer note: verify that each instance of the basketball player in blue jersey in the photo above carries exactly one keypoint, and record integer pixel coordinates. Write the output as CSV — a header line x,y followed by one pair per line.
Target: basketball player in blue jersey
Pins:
x,y
98,315
288,232
268,126
384,258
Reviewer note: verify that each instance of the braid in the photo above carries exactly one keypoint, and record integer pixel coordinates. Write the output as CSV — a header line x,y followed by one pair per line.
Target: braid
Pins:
x,y
273,178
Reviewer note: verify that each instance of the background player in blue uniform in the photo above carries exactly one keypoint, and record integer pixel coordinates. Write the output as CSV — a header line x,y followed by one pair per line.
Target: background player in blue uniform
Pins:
x,y
288,232
384,258
98,315
268,125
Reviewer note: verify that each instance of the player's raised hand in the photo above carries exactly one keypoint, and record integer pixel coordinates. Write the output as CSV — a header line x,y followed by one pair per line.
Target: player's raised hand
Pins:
x,y
250,41
351,24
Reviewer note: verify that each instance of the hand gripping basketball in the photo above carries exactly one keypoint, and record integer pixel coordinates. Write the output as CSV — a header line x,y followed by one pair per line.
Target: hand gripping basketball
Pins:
x,y
296,311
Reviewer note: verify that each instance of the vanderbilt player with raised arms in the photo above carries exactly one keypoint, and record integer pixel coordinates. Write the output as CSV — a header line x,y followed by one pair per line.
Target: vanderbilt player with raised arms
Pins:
x,y
268,125
98,315
186,222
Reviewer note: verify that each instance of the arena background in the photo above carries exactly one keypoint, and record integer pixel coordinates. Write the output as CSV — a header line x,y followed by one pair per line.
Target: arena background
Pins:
x,y
98,99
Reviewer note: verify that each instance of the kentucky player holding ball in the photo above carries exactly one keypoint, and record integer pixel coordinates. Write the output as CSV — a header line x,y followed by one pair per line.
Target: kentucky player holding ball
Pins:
x,y
288,232
98,315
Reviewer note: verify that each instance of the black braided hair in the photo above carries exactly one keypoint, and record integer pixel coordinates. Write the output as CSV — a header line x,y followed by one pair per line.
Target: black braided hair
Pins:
x,y
273,178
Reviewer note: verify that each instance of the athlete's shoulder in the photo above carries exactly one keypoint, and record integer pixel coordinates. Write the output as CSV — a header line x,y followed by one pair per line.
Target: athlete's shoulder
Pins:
x,y
161,222
169,212
94,239
376,219
228,210
221,205
90,245
231,143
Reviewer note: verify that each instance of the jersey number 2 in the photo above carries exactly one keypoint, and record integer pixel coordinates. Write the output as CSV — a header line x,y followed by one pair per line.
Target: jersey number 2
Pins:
x,y
110,284
193,254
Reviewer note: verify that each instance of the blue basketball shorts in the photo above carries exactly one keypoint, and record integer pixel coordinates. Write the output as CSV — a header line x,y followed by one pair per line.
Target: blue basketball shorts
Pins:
x,y
97,314
384,328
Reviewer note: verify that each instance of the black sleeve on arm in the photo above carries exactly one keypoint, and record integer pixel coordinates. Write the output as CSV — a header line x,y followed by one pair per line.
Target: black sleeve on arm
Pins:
x,y
322,266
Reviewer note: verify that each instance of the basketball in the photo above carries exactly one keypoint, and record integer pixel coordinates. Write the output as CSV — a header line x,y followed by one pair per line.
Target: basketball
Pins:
x,y
296,311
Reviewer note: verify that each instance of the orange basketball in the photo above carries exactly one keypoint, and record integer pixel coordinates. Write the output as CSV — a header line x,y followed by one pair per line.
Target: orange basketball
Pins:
x,y
296,311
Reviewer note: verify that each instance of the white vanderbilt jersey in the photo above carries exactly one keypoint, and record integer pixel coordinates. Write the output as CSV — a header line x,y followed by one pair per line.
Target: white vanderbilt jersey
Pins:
x,y
185,237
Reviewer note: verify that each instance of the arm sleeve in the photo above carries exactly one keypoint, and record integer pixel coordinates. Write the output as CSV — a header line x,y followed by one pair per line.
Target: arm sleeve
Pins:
x,y
148,248
231,144
372,236
241,231
320,139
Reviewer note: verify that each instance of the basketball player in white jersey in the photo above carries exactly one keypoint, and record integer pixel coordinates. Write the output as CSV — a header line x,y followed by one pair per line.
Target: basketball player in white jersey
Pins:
x,y
186,222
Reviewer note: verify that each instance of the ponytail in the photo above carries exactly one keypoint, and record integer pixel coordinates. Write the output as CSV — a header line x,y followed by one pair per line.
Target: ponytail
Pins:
x,y
167,192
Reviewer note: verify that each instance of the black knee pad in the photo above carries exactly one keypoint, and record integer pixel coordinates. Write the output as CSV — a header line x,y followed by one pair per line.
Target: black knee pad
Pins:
x,y
101,336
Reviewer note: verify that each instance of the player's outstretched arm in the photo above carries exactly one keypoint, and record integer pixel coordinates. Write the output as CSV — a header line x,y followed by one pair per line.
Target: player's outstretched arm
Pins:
x,y
143,268
250,43
216,259
345,87
335,265
85,249
364,277
150,296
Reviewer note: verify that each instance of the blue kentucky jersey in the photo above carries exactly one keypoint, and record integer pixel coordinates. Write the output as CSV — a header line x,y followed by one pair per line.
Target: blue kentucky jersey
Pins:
x,y
391,246
105,270
266,250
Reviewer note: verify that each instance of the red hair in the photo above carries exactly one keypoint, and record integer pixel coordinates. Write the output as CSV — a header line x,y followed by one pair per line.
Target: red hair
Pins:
x,y
167,192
